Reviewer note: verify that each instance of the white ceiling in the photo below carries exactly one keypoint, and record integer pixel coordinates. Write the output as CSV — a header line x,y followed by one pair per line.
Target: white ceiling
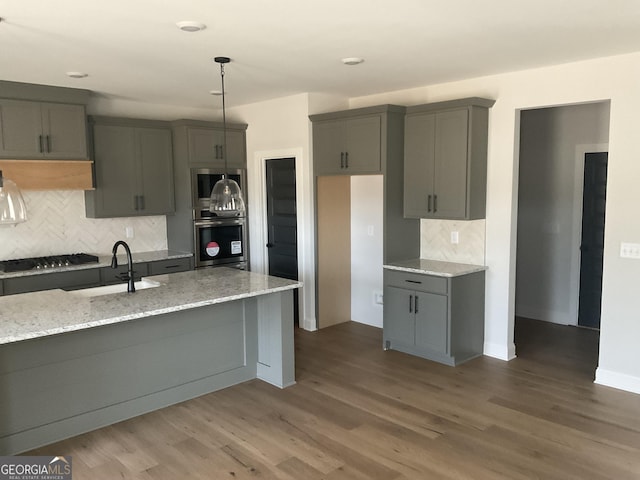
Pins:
x,y
132,49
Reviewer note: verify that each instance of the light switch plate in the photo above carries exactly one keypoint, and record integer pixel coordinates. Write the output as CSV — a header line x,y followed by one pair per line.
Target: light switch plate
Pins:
x,y
630,250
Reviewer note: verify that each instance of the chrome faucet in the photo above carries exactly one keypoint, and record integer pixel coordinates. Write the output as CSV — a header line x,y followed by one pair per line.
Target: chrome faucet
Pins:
x,y
131,288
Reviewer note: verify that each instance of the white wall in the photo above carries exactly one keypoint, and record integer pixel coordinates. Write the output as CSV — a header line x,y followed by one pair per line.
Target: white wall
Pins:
x,y
277,129
615,78
547,272
366,248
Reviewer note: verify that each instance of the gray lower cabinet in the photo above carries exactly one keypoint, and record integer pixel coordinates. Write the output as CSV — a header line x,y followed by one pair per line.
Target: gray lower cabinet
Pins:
x,y
438,318
348,146
72,280
39,130
109,276
445,159
133,168
172,265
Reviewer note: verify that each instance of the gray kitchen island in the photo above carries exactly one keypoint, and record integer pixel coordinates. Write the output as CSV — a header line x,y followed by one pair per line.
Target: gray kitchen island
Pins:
x,y
74,361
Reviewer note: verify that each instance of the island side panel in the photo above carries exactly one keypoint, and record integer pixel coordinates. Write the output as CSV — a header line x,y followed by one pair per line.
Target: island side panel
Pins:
x,y
276,355
63,385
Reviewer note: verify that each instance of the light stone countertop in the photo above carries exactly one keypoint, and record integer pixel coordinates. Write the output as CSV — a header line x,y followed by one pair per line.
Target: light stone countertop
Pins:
x,y
50,312
103,261
434,267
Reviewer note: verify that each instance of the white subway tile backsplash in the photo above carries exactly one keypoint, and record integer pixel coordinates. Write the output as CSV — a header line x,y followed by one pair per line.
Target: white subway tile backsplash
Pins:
x,y
57,225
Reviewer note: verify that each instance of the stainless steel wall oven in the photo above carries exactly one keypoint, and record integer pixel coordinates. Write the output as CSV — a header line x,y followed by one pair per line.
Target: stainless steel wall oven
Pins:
x,y
219,241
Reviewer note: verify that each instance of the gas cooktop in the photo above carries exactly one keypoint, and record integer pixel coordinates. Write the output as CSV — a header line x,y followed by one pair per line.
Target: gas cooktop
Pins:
x,y
23,264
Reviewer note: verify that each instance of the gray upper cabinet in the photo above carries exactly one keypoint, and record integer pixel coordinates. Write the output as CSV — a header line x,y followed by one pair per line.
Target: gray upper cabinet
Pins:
x,y
349,146
445,159
206,146
133,168
39,130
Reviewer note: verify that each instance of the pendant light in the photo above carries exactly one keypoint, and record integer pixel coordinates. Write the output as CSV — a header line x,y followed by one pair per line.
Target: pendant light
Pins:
x,y
226,196
12,206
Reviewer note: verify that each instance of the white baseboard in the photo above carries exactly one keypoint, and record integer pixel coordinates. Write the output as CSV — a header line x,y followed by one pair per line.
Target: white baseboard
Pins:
x,y
309,324
621,381
551,316
499,351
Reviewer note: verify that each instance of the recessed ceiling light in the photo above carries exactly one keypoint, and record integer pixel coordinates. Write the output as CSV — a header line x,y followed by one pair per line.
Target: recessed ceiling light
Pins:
x,y
77,74
352,60
190,26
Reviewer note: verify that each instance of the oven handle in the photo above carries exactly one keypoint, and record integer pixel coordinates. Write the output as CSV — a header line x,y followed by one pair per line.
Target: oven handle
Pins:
x,y
217,223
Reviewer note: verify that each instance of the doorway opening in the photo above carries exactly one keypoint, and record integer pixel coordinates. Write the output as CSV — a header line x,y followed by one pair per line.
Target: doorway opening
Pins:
x,y
282,223
559,257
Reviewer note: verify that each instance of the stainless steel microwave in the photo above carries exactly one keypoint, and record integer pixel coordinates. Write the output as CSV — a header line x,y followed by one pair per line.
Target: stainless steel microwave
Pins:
x,y
202,182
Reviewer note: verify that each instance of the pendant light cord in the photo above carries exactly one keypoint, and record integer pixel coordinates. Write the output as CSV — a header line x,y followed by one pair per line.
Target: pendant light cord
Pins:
x,y
224,124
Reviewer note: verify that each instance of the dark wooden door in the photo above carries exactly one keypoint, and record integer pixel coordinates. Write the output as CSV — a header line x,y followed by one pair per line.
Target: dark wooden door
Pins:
x,y
281,218
592,245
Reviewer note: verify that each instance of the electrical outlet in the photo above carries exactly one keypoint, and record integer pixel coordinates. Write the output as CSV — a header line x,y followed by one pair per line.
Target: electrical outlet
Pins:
x,y
455,238
370,230
129,232
630,250
378,298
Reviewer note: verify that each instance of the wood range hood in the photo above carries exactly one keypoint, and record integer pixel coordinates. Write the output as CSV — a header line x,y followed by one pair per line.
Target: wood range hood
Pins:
x,y
49,174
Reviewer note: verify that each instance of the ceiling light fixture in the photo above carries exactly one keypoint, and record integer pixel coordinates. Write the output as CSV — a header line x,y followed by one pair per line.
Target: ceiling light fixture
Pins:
x,y
12,207
77,74
352,60
226,196
190,26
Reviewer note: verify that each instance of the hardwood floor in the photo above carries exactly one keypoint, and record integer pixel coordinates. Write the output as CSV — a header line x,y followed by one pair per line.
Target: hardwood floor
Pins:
x,y
358,412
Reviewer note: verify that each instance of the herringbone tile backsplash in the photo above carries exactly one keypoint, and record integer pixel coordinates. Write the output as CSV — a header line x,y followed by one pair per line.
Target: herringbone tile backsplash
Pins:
x,y
57,225
435,241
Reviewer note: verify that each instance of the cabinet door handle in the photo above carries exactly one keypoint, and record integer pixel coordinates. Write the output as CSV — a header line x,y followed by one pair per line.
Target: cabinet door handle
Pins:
x,y
410,303
135,202
415,304
49,143
142,204
413,281
346,159
341,159
428,203
435,203
40,143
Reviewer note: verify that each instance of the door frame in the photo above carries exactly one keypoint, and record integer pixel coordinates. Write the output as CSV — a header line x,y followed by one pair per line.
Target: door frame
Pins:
x,y
578,192
257,178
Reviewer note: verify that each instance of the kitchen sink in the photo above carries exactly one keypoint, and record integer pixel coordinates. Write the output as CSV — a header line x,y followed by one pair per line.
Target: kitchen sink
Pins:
x,y
142,284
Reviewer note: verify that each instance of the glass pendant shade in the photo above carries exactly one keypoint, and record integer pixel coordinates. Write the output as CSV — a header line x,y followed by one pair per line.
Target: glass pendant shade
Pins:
x,y
12,207
226,199
226,196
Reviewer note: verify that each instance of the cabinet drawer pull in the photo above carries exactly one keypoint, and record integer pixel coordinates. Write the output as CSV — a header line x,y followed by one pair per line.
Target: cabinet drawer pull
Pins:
x,y
428,203
171,266
413,281
410,303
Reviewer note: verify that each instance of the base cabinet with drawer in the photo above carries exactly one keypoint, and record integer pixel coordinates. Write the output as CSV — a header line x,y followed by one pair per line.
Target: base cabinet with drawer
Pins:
x,y
434,317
